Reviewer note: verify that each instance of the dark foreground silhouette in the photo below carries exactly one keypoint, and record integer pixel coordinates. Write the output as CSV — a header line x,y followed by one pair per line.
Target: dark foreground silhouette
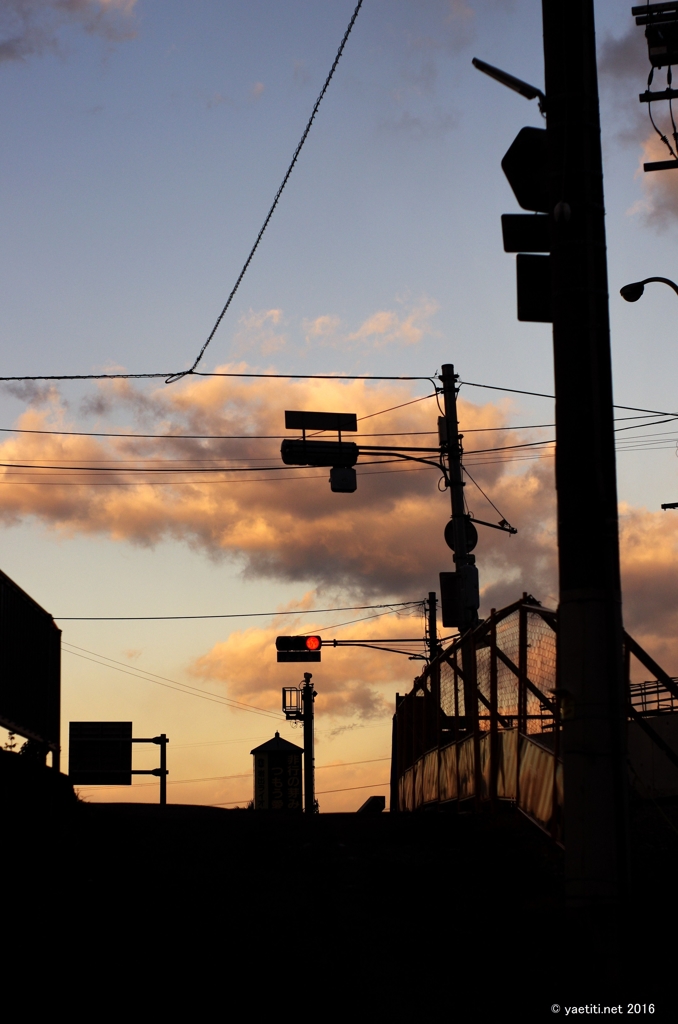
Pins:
x,y
459,914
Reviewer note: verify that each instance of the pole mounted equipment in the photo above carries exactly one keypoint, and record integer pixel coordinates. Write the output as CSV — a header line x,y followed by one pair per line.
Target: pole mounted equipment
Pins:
x,y
661,33
568,287
530,92
525,165
632,292
297,704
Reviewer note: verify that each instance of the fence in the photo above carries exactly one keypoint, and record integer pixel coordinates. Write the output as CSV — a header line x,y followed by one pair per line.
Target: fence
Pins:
x,y
482,723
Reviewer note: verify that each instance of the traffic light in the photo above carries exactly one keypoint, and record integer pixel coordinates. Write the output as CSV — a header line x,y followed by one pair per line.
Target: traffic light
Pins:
x,y
459,597
340,455
525,166
298,648
319,453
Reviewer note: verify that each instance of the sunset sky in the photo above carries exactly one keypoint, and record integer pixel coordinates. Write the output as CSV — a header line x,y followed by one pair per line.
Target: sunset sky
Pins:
x,y
143,142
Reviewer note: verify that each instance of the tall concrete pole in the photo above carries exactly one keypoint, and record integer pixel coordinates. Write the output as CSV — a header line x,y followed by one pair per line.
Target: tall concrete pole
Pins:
x,y
591,675
464,562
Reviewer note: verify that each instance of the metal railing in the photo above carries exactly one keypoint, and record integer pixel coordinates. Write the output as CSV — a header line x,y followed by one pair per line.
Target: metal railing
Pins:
x,y
482,723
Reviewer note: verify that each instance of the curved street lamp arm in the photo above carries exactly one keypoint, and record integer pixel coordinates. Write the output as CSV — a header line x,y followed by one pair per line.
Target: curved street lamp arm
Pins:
x,y
632,292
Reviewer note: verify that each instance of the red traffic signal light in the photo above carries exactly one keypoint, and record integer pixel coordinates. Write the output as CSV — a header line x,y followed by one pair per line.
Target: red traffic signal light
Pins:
x,y
298,648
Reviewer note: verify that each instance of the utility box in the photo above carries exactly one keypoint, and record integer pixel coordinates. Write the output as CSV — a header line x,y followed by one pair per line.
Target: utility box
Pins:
x,y
278,776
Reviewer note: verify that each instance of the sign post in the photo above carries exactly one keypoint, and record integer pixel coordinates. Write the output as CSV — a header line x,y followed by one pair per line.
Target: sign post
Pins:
x,y
100,754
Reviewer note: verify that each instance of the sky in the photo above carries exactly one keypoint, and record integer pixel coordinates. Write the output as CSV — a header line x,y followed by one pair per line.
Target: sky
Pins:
x,y
144,142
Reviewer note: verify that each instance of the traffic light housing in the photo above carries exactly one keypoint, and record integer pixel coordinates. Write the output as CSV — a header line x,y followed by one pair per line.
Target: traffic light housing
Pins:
x,y
526,168
319,453
459,597
340,455
298,648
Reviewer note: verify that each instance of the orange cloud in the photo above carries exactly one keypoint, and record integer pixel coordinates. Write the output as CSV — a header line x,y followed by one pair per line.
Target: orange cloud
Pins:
x,y
660,202
384,541
387,538
351,682
388,327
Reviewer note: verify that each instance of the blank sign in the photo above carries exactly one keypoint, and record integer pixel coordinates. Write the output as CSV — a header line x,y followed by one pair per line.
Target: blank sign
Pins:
x,y
100,753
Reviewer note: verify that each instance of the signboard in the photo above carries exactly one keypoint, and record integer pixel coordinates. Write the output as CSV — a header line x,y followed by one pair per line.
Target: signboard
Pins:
x,y
30,667
341,421
100,753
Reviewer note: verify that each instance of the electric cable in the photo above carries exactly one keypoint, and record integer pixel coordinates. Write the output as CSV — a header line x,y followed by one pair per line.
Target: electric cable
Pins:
x,y
231,615
240,775
322,792
199,373
171,684
649,110
501,516
540,394
269,437
174,377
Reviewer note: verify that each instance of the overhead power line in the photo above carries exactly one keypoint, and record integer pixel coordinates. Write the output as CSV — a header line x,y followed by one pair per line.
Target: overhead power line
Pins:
x,y
240,775
232,615
322,792
540,394
198,373
170,684
278,194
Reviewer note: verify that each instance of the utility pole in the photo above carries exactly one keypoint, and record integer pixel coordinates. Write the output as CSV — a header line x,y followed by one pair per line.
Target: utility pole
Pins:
x,y
464,562
591,676
308,695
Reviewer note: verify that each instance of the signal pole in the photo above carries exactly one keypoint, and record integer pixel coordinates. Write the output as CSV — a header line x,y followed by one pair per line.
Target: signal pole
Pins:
x,y
449,381
308,695
591,671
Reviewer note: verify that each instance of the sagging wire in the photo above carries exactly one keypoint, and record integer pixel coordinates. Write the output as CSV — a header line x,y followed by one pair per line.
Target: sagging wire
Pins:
x,y
658,130
669,79
177,376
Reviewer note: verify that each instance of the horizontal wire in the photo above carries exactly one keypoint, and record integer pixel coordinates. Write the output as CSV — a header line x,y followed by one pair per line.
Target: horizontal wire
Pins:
x,y
41,482
311,376
233,615
322,792
240,775
198,373
172,684
282,437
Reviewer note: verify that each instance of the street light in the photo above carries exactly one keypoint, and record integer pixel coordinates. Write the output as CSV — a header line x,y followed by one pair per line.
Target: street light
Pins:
x,y
632,292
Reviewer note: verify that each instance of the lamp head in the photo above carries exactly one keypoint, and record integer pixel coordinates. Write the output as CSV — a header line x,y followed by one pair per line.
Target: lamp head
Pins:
x,y
632,292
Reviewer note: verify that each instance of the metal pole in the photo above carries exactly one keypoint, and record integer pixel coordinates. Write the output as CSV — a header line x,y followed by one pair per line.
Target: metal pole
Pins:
x,y
163,768
307,698
464,562
494,733
591,670
454,452
432,625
